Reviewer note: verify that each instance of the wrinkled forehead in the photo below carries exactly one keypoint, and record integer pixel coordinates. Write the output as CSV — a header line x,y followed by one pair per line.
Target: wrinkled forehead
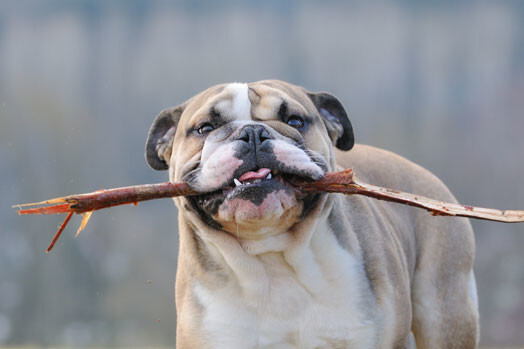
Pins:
x,y
260,101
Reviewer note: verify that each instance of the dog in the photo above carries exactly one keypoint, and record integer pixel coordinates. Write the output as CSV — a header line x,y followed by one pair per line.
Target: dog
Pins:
x,y
262,265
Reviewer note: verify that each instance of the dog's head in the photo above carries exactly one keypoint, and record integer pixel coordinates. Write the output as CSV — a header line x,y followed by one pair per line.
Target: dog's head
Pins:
x,y
241,145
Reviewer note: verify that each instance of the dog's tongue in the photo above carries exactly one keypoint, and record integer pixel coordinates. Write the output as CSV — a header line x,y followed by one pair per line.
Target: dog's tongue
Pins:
x,y
260,174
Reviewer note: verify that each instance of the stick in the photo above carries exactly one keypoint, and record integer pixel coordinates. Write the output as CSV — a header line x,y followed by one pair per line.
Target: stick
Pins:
x,y
86,204
435,207
343,182
105,198
59,232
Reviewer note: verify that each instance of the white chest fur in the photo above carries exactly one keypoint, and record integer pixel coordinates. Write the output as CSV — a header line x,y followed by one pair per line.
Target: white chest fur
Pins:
x,y
288,293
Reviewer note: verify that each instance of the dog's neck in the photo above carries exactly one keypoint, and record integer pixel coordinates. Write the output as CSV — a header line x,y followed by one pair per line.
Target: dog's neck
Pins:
x,y
248,262
298,284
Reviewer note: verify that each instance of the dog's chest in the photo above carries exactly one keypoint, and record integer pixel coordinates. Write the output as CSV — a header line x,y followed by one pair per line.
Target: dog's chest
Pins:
x,y
318,303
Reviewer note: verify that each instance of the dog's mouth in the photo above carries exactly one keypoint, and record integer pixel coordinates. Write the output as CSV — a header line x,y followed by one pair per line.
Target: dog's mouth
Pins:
x,y
254,186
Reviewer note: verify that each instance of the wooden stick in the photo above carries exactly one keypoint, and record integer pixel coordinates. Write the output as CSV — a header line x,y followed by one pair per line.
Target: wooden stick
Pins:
x,y
108,198
343,182
435,207
59,232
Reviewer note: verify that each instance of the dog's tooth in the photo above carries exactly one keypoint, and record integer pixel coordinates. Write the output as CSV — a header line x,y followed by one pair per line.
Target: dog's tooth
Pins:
x,y
237,182
268,175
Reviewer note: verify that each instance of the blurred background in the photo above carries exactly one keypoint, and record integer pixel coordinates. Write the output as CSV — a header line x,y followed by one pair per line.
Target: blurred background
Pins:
x,y
439,82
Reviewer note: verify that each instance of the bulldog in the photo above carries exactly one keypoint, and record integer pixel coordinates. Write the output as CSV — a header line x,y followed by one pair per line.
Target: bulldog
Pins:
x,y
262,265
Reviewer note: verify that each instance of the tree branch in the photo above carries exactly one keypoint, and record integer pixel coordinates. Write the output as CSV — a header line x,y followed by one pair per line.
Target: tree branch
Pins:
x,y
343,182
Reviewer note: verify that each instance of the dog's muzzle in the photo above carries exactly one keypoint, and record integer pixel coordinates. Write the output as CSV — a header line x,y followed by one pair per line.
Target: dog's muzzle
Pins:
x,y
259,187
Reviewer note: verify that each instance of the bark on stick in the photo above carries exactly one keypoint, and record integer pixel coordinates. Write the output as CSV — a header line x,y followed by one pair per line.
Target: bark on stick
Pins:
x,y
343,182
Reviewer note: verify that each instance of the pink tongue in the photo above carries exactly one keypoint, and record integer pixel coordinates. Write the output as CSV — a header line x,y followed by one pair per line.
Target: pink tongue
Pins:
x,y
262,173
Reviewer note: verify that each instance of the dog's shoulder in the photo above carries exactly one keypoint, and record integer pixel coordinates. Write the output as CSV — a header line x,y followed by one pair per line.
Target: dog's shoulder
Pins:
x,y
384,168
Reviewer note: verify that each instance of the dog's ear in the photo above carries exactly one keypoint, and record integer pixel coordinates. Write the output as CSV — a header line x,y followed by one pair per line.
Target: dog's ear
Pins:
x,y
335,118
160,137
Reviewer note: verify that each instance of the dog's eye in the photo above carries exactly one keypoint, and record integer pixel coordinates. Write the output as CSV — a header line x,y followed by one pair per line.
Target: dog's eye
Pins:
x,y
295,121
205,128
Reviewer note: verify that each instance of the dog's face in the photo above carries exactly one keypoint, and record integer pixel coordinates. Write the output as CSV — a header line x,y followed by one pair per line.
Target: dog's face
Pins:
x,y
241,145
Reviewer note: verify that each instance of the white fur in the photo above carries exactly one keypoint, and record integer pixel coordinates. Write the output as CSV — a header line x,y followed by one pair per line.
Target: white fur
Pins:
x,y
219,165
473,290
293,156
308,292
241,106
473,297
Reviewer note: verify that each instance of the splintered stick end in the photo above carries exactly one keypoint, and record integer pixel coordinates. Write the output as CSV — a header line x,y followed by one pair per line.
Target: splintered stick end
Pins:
x,y
47,202
53,209
86,216
59,232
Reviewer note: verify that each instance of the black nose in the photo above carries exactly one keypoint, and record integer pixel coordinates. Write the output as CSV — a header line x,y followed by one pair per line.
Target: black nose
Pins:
x,y
254,134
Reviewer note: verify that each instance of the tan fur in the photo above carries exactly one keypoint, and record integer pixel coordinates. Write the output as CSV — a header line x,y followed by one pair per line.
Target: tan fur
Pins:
x,y
434,255
416,267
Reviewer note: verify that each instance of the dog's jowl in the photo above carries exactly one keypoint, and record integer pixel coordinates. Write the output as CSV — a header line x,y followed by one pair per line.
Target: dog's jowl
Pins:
x,y
262,265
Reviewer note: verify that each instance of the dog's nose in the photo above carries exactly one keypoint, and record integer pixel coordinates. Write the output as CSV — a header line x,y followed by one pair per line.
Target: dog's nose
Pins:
x,y
254,134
